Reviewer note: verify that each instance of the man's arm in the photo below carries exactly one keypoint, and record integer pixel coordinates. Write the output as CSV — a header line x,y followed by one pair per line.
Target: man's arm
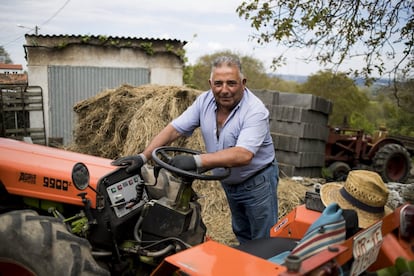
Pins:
x,y
166,136
230,157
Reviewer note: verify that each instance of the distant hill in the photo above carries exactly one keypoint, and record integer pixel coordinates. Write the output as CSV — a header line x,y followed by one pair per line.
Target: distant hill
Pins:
x,y
378,82
302,79
296,78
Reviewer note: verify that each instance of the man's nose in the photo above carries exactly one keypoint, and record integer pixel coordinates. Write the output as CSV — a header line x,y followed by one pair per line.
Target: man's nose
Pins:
x,y
225,87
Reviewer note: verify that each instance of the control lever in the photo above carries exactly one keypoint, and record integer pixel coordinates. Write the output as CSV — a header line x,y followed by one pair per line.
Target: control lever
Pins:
x,y
140,192
87,204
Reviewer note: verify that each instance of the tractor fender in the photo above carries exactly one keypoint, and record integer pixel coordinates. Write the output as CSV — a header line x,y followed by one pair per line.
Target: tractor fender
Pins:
x,y
381,143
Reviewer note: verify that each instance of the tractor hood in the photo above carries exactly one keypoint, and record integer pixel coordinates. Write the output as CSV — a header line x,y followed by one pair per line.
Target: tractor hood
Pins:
x,y
43,172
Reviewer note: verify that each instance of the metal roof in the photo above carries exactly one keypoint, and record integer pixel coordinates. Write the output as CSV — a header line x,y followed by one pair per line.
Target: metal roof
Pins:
x,y
82,37
11,66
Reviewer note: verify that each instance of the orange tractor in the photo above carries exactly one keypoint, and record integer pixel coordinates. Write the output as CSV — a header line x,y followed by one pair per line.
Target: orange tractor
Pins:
x,y
67,213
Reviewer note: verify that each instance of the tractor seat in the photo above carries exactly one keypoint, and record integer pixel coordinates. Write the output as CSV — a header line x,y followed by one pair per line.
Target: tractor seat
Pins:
x,y
266,248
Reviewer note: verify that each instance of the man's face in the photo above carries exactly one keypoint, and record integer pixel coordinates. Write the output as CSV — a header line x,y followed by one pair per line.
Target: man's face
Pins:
x,y
227,86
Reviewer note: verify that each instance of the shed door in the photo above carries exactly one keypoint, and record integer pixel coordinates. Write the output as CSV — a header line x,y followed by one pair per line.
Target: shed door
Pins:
x,y
68,85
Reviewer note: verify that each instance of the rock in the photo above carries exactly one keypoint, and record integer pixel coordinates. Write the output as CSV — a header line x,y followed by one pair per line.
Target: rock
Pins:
x,y
400,194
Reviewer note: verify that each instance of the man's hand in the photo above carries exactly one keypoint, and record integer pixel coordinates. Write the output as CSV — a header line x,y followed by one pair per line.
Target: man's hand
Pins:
x,y
184,162
133,163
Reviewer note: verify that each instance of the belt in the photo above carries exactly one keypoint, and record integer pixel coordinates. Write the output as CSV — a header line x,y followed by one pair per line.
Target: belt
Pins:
x,y
261,170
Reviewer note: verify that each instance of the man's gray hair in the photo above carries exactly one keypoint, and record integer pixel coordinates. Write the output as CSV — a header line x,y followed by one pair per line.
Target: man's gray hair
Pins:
x,y
227,61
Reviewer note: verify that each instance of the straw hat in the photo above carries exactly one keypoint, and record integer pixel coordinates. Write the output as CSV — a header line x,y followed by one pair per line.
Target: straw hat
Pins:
x,y
363,191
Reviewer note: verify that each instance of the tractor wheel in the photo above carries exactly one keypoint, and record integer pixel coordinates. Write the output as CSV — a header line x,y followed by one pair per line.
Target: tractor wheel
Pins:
x,y
41,245
393,163
339,170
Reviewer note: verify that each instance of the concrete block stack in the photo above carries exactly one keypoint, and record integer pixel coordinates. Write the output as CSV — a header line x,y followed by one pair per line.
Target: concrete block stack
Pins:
x,y
299,128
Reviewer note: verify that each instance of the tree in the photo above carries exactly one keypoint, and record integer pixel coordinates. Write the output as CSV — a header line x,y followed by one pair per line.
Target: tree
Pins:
x,y
336,31
348,101
5,55
398,120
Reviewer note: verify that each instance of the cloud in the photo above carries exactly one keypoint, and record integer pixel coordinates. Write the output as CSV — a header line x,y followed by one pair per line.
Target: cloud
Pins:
x,y
215,23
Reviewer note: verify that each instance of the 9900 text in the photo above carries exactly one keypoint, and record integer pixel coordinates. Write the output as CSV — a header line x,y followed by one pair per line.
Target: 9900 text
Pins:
x,y
55,183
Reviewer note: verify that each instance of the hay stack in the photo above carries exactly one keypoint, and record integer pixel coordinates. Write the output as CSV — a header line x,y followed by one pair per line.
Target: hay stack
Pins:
x,y
122,121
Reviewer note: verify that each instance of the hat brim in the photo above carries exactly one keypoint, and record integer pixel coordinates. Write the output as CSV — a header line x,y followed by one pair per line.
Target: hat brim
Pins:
x,y
330,193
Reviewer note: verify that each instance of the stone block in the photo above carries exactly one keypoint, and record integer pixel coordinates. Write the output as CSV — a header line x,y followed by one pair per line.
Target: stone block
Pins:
x,y
297,115
268,97
307,101
303,130
286,170
297,144
301,159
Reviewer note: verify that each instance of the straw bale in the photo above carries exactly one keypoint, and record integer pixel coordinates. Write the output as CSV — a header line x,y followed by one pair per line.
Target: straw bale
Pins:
x,y
119,122
290,194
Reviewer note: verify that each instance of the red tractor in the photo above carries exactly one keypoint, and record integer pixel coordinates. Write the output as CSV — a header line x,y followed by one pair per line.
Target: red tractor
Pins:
x,y
348,149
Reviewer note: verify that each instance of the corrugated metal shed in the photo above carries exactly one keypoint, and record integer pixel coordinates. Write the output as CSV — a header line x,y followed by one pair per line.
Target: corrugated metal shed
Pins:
x,y
71,84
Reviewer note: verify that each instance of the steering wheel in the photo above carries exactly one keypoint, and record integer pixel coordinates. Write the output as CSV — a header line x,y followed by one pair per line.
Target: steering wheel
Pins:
x,y
163,155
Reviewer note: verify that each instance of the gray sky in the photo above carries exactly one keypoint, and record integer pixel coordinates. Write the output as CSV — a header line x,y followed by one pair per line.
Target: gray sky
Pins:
x,y
214,22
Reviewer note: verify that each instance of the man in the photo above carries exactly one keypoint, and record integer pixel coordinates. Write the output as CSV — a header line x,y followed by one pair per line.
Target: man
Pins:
x,y
235,128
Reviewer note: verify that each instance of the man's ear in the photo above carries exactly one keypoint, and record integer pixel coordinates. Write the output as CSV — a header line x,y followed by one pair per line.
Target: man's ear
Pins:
x,y
244,81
